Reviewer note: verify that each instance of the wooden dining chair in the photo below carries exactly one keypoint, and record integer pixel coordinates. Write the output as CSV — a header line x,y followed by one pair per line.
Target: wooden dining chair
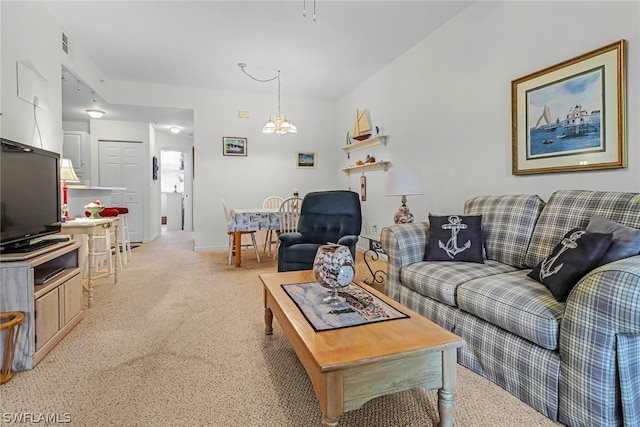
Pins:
x,y
231,235
271,202
288,216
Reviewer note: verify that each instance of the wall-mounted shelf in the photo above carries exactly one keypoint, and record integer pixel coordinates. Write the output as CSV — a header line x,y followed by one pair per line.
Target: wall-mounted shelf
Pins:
x,y
366,167
361,145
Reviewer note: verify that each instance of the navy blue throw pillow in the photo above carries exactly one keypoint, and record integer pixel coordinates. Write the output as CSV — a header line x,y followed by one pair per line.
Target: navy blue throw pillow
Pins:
x,y
577,253
455,238
625,242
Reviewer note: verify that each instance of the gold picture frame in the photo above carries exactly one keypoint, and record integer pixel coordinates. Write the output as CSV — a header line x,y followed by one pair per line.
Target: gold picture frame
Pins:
x,y
571,116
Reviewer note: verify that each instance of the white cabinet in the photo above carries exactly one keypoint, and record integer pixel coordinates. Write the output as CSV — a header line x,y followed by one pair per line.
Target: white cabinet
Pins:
x,y
50,309
76,146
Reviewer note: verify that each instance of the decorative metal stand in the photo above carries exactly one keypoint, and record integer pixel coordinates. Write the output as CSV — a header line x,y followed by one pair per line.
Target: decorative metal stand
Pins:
x,y
373,254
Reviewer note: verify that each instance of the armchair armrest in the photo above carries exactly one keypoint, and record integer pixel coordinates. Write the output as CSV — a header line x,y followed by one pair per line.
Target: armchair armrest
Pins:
x,y
349,241
288,239
600,345
404,244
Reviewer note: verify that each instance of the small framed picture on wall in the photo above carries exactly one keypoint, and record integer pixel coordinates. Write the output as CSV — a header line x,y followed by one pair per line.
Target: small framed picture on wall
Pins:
x,y
233,146
305,160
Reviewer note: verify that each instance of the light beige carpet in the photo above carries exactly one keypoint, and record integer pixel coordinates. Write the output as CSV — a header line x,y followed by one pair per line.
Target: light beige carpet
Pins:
x,y
179,342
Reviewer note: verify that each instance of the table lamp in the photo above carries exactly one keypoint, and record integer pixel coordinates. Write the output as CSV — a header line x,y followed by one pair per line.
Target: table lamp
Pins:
x,y
66,174
403,183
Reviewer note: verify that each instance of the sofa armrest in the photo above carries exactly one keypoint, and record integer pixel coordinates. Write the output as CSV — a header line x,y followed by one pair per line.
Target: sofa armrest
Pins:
x,y
404,244
601,329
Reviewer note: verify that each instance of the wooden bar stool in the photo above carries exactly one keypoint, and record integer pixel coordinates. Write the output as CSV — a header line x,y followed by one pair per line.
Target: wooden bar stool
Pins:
x,y
9,321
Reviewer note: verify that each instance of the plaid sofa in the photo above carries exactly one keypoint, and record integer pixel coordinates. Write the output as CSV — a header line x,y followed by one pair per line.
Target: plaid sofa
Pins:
x,y
578,361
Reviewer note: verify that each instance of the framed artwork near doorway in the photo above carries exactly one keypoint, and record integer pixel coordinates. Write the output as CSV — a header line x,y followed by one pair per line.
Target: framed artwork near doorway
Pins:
x,y
234,146
571,116
154,168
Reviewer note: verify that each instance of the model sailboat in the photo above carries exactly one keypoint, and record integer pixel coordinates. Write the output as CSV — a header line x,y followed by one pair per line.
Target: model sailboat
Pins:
x,y
361,129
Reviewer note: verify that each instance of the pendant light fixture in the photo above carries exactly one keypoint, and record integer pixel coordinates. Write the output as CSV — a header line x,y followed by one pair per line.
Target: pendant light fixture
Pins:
x,y
94,112
304,9
276,124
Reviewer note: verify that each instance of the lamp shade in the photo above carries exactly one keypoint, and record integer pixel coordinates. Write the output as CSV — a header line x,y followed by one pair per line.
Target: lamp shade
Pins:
x,y
66,170
403,183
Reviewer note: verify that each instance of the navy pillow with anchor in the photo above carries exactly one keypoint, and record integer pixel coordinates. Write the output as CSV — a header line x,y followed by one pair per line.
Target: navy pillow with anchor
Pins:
x,y
455,238
577,253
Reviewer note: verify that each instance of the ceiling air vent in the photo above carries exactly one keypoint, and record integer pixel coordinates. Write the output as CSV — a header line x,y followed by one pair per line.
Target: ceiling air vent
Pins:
x,y
65,43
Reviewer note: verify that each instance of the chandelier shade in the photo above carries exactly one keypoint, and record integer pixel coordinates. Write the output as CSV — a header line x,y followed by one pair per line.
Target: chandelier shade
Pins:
x,y
279,125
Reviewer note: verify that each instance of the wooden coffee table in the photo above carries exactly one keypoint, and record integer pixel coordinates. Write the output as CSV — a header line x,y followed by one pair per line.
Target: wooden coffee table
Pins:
x,y
350,366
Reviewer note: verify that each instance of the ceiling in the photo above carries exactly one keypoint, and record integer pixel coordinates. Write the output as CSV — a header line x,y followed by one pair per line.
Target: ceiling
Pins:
x,y
198,44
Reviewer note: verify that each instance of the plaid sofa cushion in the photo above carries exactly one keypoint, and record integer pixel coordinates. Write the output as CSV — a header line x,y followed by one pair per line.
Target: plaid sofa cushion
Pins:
x,y
515,303
440,279
507,224
568,209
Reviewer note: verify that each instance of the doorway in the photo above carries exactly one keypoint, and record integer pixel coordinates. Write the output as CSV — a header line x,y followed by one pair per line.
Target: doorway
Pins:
x,y
173,190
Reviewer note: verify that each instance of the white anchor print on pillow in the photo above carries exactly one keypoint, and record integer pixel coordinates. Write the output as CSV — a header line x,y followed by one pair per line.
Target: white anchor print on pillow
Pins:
x,y
455,238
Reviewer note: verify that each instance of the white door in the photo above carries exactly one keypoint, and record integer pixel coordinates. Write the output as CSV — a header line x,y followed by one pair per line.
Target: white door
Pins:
x,y
121,166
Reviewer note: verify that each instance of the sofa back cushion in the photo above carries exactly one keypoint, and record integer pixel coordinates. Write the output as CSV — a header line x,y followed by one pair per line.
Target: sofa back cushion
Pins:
x,y
568,209
508,222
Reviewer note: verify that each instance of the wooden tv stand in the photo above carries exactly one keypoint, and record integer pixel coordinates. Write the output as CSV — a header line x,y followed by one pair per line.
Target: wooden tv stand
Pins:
x,y
51,309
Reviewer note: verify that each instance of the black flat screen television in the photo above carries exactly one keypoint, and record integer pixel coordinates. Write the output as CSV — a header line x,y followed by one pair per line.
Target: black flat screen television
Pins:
x,y
29,195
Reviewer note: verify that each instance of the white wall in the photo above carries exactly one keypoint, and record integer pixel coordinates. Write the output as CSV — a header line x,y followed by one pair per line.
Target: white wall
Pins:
x,y
446,103
268,169
31,37
30,33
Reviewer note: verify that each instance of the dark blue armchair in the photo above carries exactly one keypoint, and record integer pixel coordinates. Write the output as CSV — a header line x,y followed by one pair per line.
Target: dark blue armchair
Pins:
x,y
325,216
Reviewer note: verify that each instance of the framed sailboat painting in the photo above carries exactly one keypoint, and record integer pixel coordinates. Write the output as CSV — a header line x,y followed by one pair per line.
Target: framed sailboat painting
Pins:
x,y
571,116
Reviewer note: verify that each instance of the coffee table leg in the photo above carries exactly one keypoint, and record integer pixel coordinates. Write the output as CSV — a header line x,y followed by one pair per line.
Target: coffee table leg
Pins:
x,y
268,321
449,381
332,401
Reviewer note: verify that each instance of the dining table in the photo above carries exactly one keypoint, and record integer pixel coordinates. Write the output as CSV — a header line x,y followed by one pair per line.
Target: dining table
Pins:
x,y
251,219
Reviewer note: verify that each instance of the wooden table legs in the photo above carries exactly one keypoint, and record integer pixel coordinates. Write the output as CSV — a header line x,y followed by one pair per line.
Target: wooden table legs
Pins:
x,y
449,383
237,243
